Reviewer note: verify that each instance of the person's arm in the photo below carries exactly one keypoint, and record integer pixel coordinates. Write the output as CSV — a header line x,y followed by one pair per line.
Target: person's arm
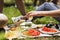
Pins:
x,y
1,6
20,6
54,13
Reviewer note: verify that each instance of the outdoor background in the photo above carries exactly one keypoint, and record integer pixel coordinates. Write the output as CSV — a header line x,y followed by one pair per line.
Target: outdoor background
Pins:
x,y
10,10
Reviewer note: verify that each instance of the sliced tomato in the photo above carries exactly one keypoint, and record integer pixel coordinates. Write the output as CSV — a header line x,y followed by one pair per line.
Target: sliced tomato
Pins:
x,y
48,29
31,30
52,30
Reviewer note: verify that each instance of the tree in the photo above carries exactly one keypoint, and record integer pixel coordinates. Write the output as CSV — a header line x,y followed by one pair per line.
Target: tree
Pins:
x,y
1,6
19,3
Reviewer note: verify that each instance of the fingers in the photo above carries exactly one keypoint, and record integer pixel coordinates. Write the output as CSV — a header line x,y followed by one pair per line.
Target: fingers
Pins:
x,y
29,14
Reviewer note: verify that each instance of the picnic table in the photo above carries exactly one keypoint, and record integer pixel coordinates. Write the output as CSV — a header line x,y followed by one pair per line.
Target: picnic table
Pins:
x,y
42,36
22,27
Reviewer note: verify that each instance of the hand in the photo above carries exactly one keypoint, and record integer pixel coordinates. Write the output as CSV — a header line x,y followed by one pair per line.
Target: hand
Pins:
x,y
32,13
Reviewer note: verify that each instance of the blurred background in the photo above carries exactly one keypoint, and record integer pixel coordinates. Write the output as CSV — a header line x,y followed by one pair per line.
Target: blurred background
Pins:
x,y
10,9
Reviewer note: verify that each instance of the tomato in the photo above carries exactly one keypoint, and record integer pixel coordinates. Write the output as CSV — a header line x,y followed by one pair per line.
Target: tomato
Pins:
x,y
34,34
38,33
48,29
45,29
31,30
53,30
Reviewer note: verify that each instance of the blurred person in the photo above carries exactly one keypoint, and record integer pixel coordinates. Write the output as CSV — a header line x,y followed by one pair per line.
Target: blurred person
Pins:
x,y
40,2
53,13
35,3
47,6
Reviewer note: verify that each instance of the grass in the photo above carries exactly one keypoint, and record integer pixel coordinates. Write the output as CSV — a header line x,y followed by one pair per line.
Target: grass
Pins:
x,y
2,35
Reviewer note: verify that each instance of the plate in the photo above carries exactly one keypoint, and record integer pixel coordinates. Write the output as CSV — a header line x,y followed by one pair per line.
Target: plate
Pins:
x,y
48,32
16,19
24,23
29,36
27,25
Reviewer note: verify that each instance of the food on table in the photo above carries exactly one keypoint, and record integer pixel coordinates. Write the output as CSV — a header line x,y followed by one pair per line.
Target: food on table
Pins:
x,y
18,22
10,34
30,18
26,33
28,24
48,29
21,20
31,32
37,28
13,28
40,26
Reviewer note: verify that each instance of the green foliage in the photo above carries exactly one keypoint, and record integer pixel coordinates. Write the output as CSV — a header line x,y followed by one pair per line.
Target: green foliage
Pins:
x,y
11,12
2,35
9,1
46,20
28,1
29,8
